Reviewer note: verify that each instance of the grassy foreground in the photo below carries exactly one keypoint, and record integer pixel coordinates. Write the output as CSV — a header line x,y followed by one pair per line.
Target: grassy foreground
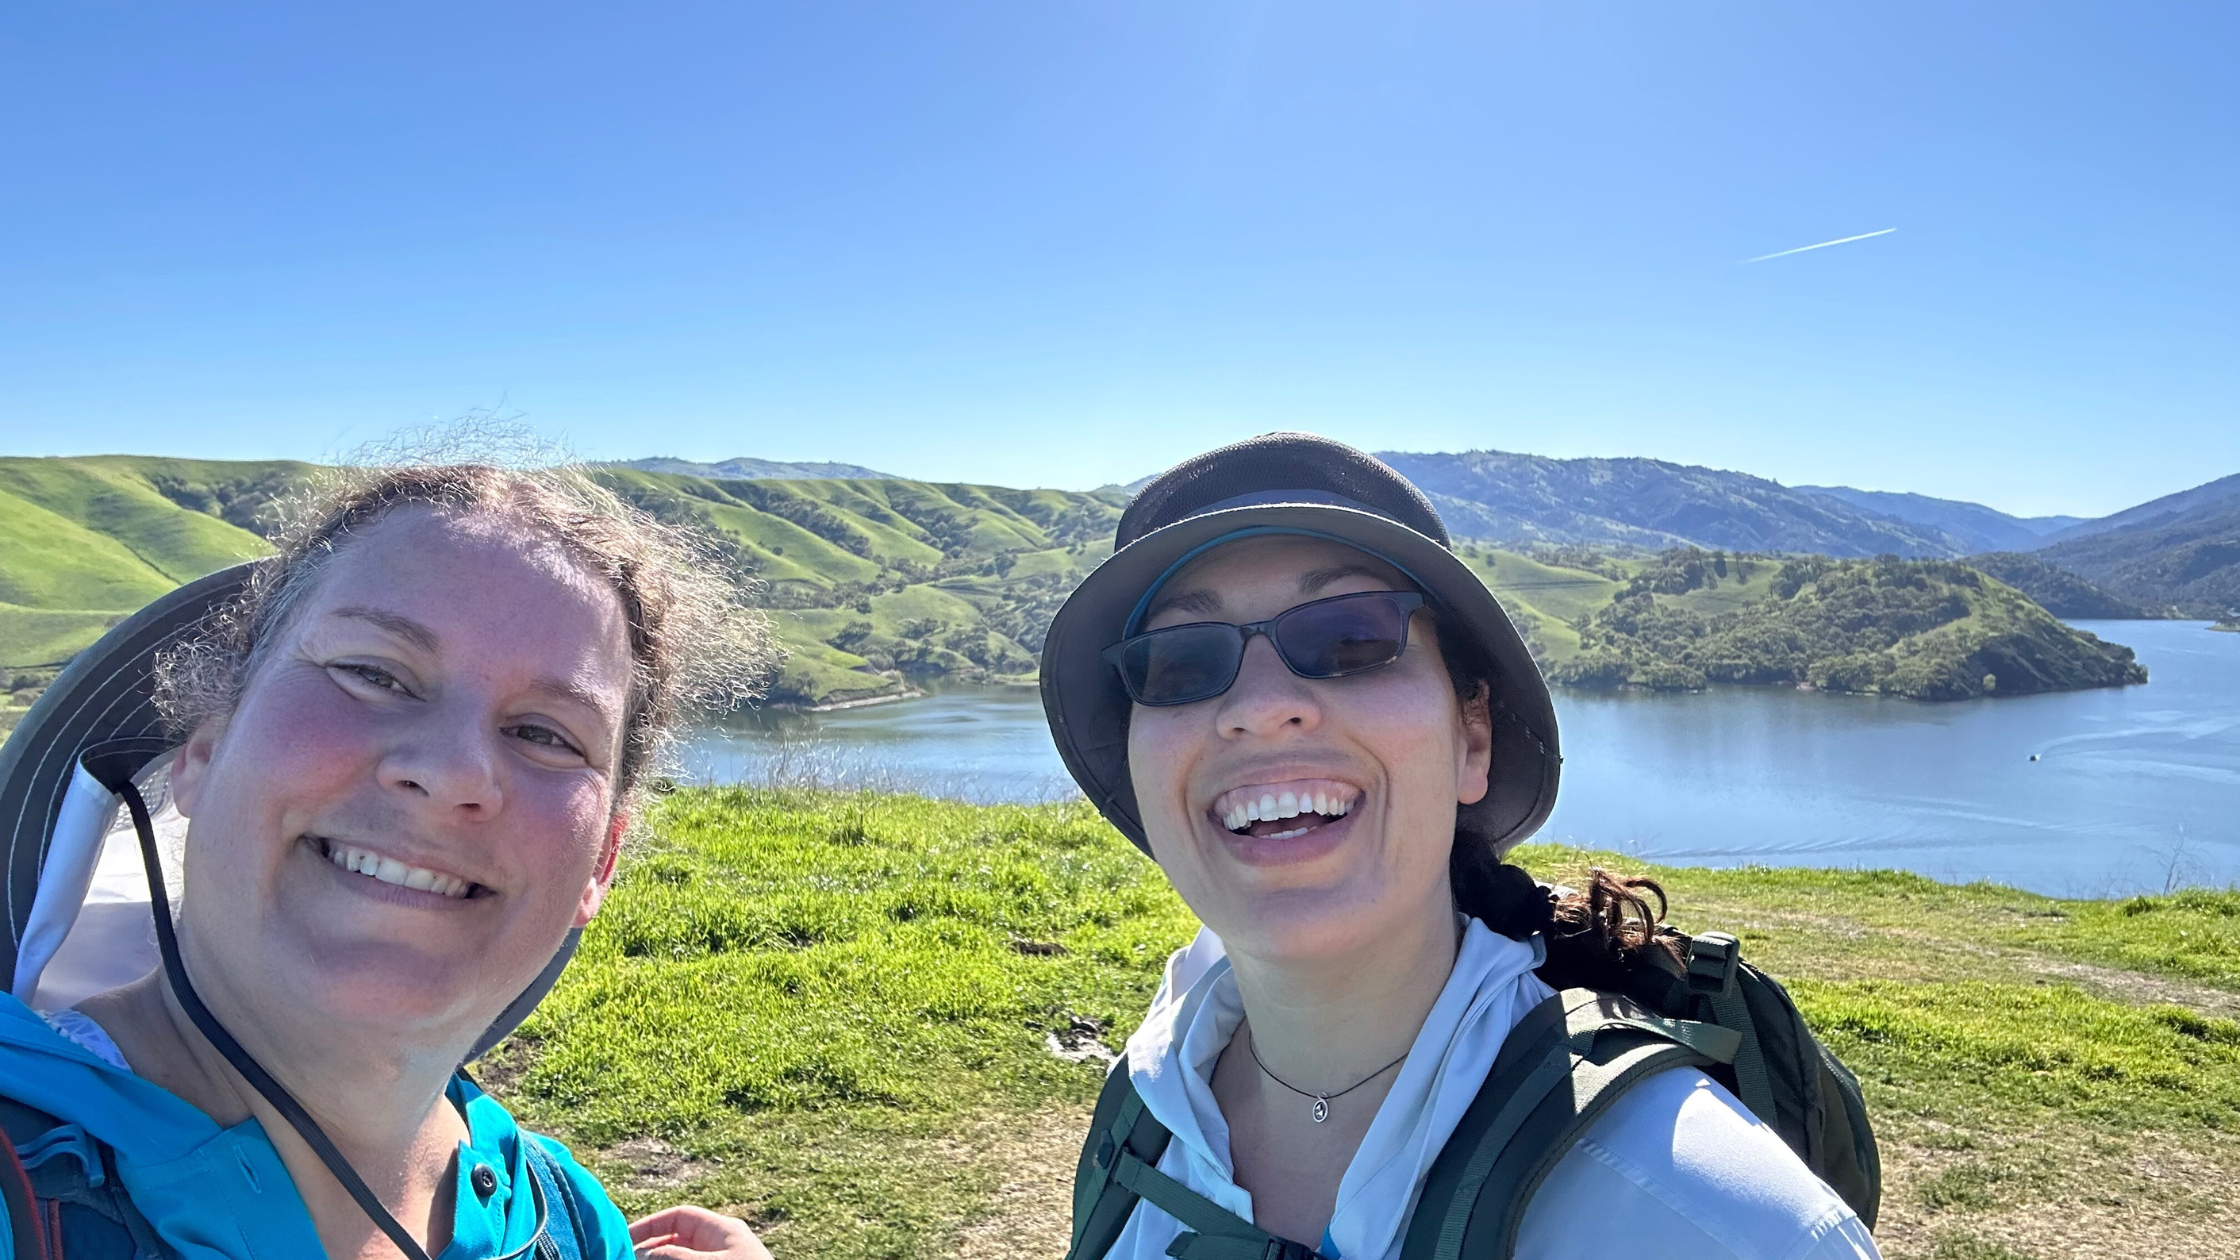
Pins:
x,y
842,1015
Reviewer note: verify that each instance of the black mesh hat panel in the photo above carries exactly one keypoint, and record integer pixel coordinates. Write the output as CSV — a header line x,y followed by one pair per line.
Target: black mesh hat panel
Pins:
x,y
1295,464
105,696
1297,483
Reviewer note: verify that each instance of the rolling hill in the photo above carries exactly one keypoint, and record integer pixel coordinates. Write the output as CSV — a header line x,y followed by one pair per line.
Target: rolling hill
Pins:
x,y
875,584
1651,504
748,469
2188,557
2063,593
870,582
1980,527
111,532
2207,498
1924,629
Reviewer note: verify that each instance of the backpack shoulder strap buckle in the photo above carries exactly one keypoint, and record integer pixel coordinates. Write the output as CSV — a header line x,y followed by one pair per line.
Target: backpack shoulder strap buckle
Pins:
x,y
1714,959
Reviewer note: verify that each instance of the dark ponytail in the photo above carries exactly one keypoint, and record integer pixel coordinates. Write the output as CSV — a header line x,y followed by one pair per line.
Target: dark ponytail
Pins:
x,y
1599,937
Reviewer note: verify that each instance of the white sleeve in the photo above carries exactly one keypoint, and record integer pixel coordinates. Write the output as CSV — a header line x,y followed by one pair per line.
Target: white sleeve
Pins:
x,y
1679,1166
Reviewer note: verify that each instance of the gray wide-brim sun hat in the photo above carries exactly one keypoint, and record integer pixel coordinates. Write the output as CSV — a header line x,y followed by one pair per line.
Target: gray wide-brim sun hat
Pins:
x,y
1290,483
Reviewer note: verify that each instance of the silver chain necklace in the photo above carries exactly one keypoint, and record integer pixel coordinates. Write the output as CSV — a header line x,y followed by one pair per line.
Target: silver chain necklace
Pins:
x,y
1321,1101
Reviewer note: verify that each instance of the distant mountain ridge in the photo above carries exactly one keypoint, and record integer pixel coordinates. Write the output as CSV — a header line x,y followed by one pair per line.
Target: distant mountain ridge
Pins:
x,y
2189,557
746,468
1650,503
2207,498
1982,528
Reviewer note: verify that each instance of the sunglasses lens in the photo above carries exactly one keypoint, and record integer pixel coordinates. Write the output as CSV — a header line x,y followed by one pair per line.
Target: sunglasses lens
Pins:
x,y
1181,665
1342,636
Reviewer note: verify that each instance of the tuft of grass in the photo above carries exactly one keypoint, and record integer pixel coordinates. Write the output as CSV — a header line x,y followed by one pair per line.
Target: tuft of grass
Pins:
x,y
2013,1050
1965,1247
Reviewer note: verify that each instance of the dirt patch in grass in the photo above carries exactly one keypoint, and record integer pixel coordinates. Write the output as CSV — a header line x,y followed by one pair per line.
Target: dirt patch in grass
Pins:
x,y
1031,1214
656,1166
2132,986
1950,1194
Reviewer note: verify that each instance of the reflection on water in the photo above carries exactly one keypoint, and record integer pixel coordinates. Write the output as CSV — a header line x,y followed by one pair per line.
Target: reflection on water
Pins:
x,y
2134,788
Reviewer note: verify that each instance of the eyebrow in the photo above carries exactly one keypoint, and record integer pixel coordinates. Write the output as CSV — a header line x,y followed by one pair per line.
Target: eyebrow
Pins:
x,y
1201,601
404,628
575,693
1314,580
1206,602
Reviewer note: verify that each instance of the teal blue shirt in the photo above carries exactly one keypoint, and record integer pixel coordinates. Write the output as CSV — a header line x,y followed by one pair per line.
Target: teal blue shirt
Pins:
x,y
216,1192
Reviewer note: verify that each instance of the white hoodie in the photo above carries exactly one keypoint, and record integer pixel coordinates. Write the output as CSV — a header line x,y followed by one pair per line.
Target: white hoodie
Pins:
x,y
1676,1166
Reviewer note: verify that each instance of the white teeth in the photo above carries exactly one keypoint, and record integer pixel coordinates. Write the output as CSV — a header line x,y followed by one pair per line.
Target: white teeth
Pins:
x,y
1239,808
391,871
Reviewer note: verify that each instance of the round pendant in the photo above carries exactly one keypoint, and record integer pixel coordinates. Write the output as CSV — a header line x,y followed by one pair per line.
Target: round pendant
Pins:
x,y
1321,1110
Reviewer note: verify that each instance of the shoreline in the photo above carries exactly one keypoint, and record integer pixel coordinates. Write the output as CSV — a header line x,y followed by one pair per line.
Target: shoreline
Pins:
x,y
865,702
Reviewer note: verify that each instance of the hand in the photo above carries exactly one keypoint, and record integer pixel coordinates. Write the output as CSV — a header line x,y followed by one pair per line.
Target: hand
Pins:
x,y
695,1233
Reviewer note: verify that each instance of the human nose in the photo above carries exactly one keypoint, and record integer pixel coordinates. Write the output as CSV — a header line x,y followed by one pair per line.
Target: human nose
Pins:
x,y
447,760
1267,697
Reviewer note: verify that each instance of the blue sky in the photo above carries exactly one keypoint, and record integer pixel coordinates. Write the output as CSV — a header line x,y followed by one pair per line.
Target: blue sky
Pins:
x,y
1067,243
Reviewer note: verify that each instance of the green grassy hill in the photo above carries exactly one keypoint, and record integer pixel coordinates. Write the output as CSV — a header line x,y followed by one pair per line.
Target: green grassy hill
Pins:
x,y
2061,592
2189,557
877,585
1927,629
874,1024
85,541
872,583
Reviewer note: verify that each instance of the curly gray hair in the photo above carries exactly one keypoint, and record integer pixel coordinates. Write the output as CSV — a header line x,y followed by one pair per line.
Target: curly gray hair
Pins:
x,y
696,646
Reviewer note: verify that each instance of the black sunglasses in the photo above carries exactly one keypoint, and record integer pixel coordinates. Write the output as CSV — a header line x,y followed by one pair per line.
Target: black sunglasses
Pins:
x,y
1329,638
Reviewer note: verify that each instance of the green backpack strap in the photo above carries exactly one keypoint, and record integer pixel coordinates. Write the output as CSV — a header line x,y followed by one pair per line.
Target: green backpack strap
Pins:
x,y
1100,1203
1714,970
1559,1069
1119,1166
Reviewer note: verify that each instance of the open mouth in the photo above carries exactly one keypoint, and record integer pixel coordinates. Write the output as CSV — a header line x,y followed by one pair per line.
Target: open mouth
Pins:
x,y
388,870
1284,811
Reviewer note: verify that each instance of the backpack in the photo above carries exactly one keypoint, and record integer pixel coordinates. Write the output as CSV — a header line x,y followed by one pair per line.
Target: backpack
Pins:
x,y
1564,1064
60,1196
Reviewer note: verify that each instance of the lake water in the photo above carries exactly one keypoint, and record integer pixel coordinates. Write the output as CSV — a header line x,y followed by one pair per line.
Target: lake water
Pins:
x,y
2135,788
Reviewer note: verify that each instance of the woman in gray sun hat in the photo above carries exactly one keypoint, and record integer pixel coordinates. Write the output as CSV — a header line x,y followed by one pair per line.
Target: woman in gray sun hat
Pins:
x,y
1287,690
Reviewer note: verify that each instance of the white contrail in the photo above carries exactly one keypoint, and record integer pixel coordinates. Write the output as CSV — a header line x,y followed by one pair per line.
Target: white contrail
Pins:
x,y
1822,245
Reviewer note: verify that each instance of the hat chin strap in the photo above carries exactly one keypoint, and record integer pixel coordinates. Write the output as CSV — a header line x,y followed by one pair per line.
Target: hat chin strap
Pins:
x,y
167,943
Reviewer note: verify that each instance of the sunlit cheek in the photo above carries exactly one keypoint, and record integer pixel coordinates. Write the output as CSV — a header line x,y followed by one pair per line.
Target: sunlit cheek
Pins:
x,y
304,722
1159,749
565,818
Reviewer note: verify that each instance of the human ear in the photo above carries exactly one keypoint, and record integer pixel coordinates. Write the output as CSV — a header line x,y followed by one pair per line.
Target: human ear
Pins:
x,y
1474,755
602,874
191,765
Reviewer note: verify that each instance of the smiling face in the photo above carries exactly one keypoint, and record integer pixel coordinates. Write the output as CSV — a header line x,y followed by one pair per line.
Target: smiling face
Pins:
x,y
1302,818
414,798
